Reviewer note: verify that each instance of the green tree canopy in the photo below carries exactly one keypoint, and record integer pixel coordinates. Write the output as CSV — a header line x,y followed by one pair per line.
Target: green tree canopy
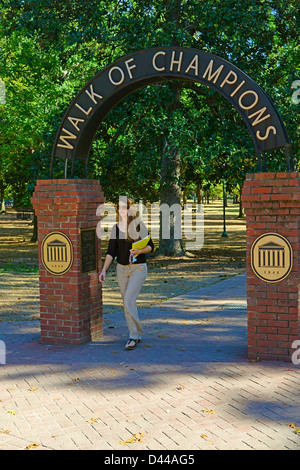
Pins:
x,y
50,49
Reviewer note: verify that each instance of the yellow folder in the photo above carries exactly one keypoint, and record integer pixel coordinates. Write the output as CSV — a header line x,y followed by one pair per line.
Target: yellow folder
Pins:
x,y
140,244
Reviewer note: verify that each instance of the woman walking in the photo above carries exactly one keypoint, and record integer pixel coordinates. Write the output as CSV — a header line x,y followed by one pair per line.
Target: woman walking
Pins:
x,y
131,263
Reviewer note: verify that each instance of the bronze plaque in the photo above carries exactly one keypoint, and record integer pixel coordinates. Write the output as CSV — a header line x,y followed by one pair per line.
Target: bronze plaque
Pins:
x,y
88,250
57,253
271,257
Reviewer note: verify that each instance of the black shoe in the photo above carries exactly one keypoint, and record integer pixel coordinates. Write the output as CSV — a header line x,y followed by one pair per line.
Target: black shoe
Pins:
x,y
131,343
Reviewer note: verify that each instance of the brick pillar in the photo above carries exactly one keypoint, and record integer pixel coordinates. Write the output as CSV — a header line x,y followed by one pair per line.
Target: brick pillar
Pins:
x,y
70,303
272,204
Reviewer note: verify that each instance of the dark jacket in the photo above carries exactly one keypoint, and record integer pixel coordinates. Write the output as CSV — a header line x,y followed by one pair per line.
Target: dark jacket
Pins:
x,y
120,247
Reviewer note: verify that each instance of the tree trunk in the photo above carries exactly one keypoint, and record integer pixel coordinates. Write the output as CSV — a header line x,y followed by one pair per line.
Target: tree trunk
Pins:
x,y
241,212
2,201
170,236
225,199
207,196
170,243
184,196
199,193
35,229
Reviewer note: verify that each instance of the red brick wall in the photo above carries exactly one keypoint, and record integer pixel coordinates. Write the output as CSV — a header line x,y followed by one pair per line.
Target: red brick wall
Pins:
x,y
272,204
70,304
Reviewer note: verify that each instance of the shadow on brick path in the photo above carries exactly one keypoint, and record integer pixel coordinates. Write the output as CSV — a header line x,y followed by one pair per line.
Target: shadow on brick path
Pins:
x,y
188,385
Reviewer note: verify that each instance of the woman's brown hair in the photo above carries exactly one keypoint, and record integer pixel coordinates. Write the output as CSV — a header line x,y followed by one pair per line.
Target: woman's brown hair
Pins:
x,y
133,221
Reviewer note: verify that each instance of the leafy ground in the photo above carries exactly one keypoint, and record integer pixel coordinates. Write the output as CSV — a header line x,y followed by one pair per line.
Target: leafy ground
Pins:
x,y
218,259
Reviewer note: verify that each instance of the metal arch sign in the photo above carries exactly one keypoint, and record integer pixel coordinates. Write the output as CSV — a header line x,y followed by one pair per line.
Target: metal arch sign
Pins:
x,y
134,71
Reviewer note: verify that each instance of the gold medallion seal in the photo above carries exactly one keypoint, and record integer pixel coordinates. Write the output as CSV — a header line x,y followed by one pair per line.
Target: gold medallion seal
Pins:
x,y
271,257
57,253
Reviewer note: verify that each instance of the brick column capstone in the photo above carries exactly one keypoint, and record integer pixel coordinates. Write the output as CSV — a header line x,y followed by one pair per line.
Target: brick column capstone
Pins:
x,y
272,204
70,304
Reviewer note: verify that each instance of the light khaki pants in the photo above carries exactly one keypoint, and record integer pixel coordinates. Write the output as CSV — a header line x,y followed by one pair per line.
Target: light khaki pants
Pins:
x,y
130,280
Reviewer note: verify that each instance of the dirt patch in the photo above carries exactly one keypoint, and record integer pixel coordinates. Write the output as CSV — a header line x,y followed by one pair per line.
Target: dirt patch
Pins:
x,y
219,259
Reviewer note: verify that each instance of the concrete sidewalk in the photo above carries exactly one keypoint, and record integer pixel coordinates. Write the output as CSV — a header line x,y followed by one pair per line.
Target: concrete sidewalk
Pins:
x,y
188,385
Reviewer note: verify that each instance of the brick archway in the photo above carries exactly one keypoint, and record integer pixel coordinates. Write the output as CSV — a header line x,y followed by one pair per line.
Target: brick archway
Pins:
x,y
71,303
272,205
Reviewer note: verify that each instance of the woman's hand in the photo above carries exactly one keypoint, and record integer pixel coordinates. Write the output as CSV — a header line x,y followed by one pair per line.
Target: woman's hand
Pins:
x,y
102,276
135,252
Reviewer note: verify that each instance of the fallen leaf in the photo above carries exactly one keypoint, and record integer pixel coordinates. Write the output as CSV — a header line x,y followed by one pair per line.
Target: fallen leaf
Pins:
x,y
76,379
147,345
292,425
133,439
204,437
11,412
32,446
4,431
180,387
209,411
93,420
32,389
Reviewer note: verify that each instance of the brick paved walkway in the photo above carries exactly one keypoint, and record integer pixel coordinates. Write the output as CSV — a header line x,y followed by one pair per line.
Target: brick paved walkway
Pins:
x,y
188,385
